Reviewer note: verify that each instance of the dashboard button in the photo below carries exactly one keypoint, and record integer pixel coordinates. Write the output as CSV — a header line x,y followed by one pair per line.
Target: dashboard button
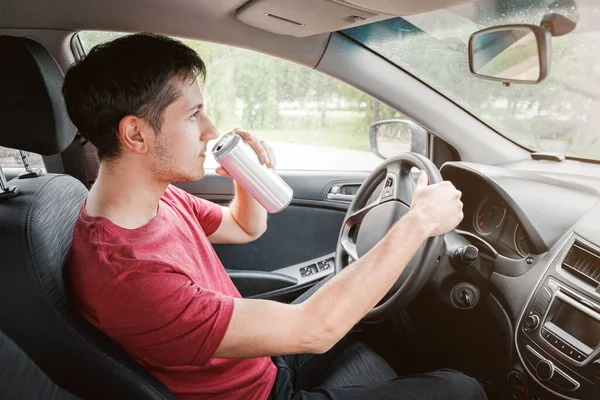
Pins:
x,y
544,370
546,293
566,349
540,305
560,345
532,356
542,300
538,308
517,386
532,322
552,339
564,381
547,335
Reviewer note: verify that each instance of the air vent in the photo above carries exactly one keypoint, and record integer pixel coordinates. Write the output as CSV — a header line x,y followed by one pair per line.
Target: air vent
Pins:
x,y
584,264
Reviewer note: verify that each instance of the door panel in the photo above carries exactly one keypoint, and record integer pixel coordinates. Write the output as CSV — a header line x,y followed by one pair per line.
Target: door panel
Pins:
x,y
307,185
295,235
297,248
253,283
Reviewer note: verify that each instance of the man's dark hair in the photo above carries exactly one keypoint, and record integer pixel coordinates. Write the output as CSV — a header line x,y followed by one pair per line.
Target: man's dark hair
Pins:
x,y
133,75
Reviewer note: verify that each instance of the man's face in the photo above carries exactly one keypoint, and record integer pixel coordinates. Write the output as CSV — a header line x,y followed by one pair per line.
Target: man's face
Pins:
x,y
180,147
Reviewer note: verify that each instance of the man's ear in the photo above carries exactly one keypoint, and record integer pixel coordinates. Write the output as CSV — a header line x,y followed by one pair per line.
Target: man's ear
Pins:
x,y
134,134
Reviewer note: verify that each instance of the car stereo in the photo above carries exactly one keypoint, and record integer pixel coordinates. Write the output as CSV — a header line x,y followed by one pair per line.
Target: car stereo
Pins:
x,y
571,328
558,339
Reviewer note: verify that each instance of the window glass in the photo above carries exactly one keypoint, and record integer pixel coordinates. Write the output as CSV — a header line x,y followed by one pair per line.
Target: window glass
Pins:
x,y
10,158
313,121
560,114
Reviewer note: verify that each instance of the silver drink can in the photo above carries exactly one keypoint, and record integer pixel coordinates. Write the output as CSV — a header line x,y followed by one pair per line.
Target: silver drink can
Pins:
x,y
242,163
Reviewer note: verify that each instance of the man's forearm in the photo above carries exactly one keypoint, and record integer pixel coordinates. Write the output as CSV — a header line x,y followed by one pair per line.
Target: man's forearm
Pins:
x,y
261,328
247,212
343,301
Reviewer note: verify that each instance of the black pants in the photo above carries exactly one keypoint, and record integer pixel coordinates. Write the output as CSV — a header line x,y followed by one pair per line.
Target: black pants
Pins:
x,y
351,370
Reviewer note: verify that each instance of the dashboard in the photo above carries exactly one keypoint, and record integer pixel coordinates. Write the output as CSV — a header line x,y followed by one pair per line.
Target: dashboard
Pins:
x,y
490,217
519,215
541,240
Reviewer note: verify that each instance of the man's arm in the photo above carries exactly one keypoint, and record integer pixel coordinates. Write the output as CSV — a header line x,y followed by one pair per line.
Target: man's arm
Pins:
x,y
243,221
267,328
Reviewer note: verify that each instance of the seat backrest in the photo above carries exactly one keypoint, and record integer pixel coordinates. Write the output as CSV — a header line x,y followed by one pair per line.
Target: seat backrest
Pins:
x,y
36,229
20,378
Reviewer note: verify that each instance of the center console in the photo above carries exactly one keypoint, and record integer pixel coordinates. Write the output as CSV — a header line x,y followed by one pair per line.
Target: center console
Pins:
x,y
558,332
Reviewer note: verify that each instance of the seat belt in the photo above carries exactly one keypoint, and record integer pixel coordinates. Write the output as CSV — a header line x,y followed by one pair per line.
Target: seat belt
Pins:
x,y
73,161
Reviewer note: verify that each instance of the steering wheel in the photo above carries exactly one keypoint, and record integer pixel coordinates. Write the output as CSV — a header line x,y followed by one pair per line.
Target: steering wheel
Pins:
x,y
366,223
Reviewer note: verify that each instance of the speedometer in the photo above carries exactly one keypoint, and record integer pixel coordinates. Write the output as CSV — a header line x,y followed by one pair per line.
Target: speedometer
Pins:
x,y
521,242
489,215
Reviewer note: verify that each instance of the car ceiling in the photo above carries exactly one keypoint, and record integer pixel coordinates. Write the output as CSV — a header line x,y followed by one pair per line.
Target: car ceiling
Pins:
x,y
240,23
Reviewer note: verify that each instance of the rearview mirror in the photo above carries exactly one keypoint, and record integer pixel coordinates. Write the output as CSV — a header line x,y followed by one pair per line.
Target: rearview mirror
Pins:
x,y
511,53
394,136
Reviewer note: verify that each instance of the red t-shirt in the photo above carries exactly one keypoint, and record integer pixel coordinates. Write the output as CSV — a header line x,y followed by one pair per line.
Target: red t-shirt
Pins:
x,y
162,293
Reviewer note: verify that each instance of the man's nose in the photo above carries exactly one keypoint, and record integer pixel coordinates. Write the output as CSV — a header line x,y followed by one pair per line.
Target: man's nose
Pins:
x,y
210,132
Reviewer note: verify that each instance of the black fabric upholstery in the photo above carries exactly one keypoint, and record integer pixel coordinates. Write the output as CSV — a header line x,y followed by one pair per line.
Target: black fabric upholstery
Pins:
x,y
350,362
36,230
33,116
20,378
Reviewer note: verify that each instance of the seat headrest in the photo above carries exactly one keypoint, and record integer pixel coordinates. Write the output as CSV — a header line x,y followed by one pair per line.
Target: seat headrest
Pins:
x,y
33,115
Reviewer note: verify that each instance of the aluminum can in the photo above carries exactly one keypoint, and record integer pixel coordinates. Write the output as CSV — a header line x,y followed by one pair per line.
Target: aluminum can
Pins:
x,y
242,163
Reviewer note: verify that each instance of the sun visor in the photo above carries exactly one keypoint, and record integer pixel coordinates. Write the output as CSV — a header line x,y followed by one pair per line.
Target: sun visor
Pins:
x,y
303,18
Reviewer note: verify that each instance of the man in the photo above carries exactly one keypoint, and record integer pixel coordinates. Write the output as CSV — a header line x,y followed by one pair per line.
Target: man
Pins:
x,y
143,269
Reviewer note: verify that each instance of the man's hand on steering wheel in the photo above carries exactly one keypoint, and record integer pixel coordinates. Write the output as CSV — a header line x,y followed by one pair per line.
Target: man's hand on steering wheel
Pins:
x,y
389,238
438,205
400,212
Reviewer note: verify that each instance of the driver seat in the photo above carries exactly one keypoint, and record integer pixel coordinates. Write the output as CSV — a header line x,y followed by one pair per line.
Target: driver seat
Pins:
x,y
36,228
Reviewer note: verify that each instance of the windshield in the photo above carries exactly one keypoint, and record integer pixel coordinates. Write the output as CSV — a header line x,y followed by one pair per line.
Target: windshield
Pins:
x,y
560,114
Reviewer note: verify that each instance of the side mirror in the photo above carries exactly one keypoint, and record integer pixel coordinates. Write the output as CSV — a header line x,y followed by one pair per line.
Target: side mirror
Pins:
x,y
511,53
394,136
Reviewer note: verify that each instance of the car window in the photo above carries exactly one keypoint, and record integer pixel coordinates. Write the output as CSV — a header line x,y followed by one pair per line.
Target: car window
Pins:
x,y
313,121
10,158
558,115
